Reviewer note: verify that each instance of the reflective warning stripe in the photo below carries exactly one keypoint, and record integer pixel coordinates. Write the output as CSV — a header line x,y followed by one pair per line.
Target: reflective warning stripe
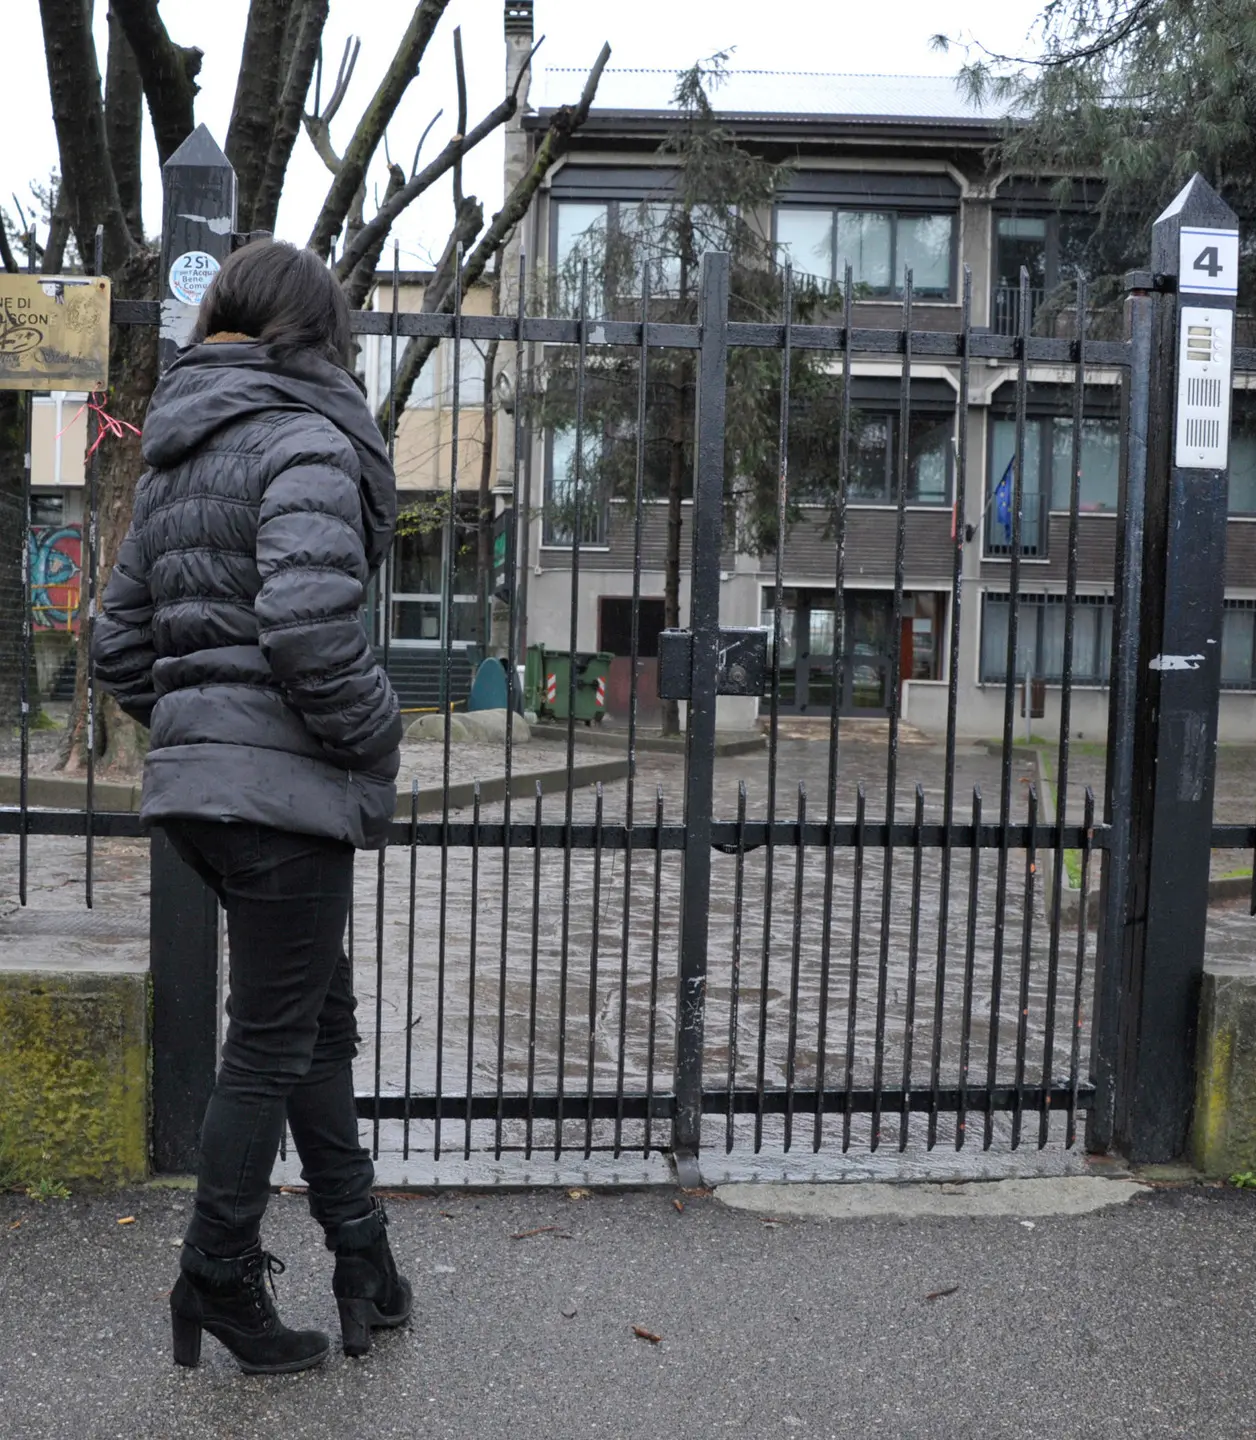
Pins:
x,y
601,694
551,688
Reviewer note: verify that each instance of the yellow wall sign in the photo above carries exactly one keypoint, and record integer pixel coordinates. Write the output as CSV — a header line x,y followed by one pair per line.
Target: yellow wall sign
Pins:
x,y
54,332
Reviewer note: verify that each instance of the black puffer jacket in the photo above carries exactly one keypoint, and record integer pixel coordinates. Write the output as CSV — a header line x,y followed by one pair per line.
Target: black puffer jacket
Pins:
x,y
231,623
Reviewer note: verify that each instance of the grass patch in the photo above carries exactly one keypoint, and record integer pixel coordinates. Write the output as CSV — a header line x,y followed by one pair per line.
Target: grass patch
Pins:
x,y
15,1178
1073,868
1242,873
1244,1180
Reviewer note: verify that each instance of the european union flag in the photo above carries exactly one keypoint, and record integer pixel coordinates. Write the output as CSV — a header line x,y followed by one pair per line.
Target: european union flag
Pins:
x,y
1003,499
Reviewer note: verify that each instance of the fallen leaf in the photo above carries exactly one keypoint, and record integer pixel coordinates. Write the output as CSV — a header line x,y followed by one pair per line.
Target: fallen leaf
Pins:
x,y
540,1230
127,1220
938,1294
643,1334
15,1224
579,1193
679,1206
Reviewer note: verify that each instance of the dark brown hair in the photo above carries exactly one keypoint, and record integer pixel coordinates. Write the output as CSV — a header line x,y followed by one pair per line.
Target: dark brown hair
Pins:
x,y
287,298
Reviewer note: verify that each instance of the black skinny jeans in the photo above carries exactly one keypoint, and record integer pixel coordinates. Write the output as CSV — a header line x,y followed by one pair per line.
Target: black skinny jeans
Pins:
x,y
291,1036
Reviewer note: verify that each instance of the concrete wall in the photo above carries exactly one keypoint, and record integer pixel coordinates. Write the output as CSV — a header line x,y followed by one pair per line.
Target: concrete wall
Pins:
x,y
73,1077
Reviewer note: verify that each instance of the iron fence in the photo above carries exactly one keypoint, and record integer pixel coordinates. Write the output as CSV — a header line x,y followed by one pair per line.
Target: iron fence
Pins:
x,y
767,964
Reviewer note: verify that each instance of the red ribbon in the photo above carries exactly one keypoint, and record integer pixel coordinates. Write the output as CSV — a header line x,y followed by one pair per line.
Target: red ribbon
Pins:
x,y
106,424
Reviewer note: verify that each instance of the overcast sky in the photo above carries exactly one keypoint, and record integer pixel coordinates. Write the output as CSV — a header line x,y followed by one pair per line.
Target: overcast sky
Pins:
x,y
829,35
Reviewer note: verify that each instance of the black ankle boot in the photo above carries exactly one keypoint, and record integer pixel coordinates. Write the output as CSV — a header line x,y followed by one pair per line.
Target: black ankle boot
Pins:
x,y
366,1285
227,1297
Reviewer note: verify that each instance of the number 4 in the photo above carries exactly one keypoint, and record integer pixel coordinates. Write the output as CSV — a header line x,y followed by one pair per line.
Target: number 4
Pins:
x,y
1208,260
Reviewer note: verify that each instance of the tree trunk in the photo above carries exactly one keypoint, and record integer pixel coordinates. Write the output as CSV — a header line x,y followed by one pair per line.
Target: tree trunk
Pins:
x,y
120,743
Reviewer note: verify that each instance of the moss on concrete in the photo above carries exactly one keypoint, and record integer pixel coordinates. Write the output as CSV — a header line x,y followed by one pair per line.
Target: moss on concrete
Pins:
x,y
73,1077
1224,1130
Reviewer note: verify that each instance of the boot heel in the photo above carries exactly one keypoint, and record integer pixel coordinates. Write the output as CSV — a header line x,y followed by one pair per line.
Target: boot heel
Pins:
x,y
355,1326
187,1339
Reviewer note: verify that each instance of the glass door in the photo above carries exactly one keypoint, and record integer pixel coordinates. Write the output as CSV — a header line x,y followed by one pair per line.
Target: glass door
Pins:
x,y
416,586
866,662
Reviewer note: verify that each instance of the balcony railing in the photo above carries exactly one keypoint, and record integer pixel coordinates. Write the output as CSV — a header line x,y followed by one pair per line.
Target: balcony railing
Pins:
x,y
1005,309
1035,516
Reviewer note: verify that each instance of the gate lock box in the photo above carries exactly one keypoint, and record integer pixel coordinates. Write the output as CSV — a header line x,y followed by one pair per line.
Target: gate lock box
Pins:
x,y
741,665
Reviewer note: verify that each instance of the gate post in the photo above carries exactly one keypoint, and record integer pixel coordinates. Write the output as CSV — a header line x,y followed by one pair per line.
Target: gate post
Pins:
x,y
198,221
1163,913
704,626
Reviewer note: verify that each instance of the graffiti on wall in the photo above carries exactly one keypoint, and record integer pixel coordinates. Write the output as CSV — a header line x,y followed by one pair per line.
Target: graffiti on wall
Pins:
x,y
56,556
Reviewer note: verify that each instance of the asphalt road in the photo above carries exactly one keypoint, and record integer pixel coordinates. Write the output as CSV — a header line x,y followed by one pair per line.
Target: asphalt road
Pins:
x,y
1135,1320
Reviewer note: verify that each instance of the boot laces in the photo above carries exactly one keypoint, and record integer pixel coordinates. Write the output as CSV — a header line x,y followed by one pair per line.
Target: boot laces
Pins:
x,y
270,1265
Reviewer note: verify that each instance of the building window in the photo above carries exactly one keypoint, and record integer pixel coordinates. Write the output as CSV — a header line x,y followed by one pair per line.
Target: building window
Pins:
x,y
1243,455
874,457
615,625
1040,638
1047,477
420,569
434,387
1049,246
564,487
1238,645
619,239
879,246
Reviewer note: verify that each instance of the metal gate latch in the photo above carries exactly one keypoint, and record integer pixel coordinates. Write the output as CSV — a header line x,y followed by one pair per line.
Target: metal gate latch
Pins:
x,y
741,667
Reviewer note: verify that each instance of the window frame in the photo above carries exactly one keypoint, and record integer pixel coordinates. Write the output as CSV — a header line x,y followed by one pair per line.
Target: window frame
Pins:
x,y
889,496
896,210
1234,606
550,540
1096,678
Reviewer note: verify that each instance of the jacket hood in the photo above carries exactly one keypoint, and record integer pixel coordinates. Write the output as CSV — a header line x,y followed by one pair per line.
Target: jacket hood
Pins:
x,y
213,385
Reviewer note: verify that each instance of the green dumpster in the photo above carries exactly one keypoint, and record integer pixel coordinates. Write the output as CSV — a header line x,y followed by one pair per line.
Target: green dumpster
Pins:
x,y
547,683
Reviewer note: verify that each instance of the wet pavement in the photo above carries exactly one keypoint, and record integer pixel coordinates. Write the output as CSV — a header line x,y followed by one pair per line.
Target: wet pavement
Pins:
x,y
1133,1320
486,968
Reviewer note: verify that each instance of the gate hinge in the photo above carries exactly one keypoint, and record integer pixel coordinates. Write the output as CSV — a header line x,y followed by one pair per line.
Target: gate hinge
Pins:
x,y
741,667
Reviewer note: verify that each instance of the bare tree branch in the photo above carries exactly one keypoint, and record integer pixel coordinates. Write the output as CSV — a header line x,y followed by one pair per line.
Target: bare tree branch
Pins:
x,y
461,74
358,285
418,149
124,123
58,232
467,225
7,257
374,121
458,146
259,84
438,297
78,114
306,34
168,71
318,124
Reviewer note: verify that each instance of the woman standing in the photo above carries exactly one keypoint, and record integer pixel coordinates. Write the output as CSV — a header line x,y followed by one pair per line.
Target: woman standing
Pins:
x,y
231,627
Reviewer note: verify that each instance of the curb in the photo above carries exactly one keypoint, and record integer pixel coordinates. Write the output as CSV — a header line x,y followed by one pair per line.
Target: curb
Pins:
x,y
53,792
522,785
550,733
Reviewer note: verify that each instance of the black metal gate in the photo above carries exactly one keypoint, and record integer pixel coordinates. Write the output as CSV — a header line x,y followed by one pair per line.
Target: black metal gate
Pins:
x,y
777,962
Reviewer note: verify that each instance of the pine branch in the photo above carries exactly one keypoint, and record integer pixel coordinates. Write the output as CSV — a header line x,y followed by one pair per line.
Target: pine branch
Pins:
x,y
168,71
351,172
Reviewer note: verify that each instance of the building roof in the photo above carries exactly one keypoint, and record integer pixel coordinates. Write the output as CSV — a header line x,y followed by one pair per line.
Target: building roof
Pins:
x,y
777,94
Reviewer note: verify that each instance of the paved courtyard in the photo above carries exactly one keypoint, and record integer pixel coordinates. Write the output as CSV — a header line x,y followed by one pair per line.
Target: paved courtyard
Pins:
x,y
490,974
